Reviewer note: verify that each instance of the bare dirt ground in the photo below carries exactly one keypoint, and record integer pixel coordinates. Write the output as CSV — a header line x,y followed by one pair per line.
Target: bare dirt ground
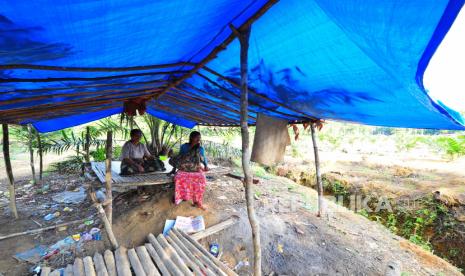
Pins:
x,y
294,240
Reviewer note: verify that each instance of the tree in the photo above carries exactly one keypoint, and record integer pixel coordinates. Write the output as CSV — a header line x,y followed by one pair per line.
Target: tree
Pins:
x,y
163,135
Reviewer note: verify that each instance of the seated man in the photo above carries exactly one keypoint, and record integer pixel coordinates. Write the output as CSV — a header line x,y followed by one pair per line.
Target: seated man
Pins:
x,y
135,157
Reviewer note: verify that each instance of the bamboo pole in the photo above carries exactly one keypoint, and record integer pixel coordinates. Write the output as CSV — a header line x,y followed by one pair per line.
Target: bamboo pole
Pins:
x,y
146,262
87,145
31,153
78,267
135,263
317,170
99,263
254,224
157,259
122,262
93,69
104,218
108,179
9,171
40,149
89,266
110,262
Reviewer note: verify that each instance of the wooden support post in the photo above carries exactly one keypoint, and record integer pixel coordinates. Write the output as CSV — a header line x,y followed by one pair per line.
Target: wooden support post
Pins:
x,y
109,207
41,163
31,153
244,42
319,183
9,171
87,145
103,217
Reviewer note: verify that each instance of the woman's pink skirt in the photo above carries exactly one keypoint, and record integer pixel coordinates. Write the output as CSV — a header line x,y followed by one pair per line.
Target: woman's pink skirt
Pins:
x,y
189,186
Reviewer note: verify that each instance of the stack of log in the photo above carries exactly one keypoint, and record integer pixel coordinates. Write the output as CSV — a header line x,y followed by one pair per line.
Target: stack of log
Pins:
x,y
174,254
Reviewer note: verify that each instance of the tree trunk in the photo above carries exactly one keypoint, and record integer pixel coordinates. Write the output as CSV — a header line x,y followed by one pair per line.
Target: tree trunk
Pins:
x,y
244,41
9,172
87,145
318,173
41,164
31,153
109,207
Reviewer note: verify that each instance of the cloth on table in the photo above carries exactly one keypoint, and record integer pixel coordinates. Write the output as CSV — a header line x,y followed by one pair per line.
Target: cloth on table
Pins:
x,y
189,186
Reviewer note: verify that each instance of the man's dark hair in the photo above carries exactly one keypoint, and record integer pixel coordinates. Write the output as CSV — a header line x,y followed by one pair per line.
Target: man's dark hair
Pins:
x,y
135,132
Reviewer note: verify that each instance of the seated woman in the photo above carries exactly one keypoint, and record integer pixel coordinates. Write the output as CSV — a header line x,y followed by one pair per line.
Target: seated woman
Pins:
x,y
190,179
135,157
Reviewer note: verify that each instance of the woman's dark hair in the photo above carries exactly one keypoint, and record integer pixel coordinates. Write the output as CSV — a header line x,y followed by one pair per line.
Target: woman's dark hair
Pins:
x,y
193,135
135,132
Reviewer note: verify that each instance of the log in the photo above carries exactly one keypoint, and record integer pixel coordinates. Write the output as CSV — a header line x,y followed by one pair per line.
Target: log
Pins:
x,y
78,267
106,223
244,44
99,263
199,247
199,254
174,255
31,153
158,261
89,266
167,262
56,272
110,262
146,262
215,228
69,270
317,170
34,231
135,263
184,258
9,171
122,262
109,149
45,271
204,268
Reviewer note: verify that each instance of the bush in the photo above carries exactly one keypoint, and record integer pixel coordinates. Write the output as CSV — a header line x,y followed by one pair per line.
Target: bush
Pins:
x,y
71,165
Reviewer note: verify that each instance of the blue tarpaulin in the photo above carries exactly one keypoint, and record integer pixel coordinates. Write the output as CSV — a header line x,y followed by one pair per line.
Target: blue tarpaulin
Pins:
x,y
64,63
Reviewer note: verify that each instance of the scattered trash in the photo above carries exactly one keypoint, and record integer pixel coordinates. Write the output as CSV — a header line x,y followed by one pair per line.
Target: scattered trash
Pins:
x,y
62,244
101,197
76,237
76,196
214,249
280,248
89,222
169,223
51,253
222,197
67,209
96,234
86,236
62,228
189,224
298,230
33,255
241,264
51,216
256,197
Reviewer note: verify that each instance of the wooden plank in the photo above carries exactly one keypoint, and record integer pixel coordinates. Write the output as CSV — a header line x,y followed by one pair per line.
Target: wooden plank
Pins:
x,y
69,270
225,268
110,262
158,261
89,266
146,262
122,262
172,268
78,267
205,260
135,263
99,263
45,271
174,255
193,266
203,267
215,228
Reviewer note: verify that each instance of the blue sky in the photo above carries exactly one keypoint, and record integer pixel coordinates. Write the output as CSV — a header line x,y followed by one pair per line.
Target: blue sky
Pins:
x,y
445,76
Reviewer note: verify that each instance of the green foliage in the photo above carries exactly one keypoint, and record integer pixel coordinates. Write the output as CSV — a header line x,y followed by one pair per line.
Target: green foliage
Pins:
x,y
221,151
99,154
453,147
71,165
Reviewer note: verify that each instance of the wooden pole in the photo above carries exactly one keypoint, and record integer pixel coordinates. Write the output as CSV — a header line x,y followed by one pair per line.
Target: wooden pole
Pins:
x,y
31,153
244,42
41,164
87,145
317,170
9,172
109,207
